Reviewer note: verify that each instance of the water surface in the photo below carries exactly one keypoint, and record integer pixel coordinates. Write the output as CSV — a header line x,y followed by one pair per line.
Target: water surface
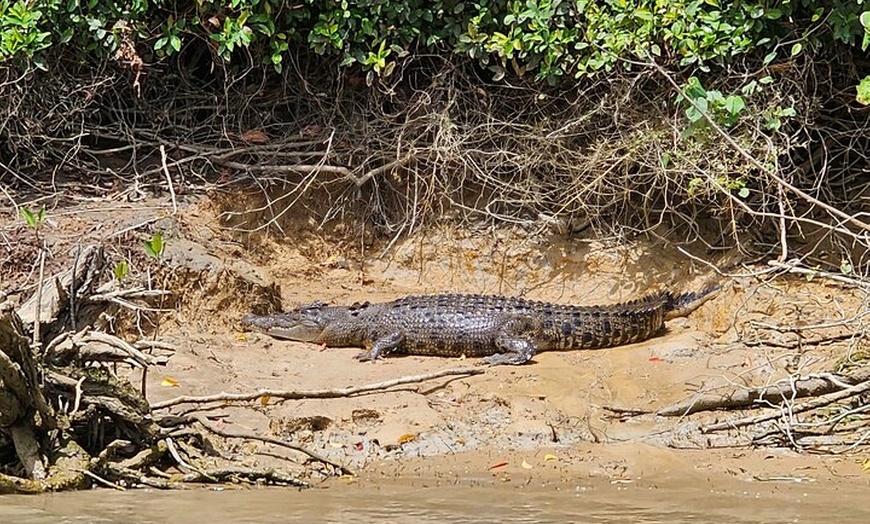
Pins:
x,y
421,502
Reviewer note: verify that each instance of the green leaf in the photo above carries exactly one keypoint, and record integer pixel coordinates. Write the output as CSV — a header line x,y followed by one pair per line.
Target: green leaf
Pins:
x,y
743,193
696,112
121,270
734,104
864,91
796,49
29,217
846,267
154,246
769,58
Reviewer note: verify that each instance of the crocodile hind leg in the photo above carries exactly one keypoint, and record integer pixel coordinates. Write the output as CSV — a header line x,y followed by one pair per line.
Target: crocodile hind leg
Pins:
x,y
382,346
517,348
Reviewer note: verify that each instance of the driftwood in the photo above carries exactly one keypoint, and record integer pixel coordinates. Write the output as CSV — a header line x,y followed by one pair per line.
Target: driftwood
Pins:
x,y
766,395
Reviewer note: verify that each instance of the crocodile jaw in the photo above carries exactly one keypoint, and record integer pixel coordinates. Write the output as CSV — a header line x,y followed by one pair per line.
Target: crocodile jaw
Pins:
x,y
279,326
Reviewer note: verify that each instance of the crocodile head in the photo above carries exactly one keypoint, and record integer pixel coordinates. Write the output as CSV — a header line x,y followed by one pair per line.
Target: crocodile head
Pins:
x,y
305,323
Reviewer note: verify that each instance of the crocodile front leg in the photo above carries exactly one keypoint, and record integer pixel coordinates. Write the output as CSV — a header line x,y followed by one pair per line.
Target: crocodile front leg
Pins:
x,y
517,350
382,346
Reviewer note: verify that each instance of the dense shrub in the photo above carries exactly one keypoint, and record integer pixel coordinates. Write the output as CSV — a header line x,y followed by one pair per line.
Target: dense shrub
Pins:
x,y
549,39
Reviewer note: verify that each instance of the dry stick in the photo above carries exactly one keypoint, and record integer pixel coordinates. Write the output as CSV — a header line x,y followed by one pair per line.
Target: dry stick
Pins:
x,y
752,160
316,393
818,402
269,440
168,179
115,342
38,305
224,474
170,445
791,268
100,479
399,162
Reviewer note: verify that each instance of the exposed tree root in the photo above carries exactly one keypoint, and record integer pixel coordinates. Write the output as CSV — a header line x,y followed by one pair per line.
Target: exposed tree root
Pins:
x,y
60,401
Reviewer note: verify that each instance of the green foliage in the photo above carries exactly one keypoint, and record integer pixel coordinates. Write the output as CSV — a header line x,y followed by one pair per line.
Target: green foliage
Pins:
x,y
154,246
773,117
33,219
21,34
731,185
552,40
724,110
727,111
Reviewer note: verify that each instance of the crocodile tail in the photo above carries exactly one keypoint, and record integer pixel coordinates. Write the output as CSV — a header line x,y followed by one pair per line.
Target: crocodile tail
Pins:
x,y
684,303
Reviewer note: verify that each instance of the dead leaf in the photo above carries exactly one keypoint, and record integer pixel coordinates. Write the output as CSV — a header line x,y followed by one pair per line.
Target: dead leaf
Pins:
x,y
264,400
255,136
407,437
526,465
548,457
499,465
241,336
311,130
169,382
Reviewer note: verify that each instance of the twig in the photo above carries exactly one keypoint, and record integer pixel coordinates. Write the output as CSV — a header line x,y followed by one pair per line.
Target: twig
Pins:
x,y
250,436
253,474
792,268
135,227
154,344
115,342
78,399
100,479
399,162
316,393
38,304
168,179
170,445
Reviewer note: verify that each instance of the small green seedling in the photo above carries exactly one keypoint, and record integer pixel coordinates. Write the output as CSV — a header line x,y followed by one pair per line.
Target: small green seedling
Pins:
x,y
33,219
121,270
154,246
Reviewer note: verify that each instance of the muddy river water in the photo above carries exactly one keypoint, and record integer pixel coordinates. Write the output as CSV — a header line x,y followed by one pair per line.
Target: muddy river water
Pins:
x,y
421,501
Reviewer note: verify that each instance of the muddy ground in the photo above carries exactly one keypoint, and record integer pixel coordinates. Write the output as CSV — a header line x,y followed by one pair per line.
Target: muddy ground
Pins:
x,y
562,416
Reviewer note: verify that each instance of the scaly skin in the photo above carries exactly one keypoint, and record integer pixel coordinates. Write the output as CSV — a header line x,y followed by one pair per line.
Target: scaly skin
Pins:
x,y
502,329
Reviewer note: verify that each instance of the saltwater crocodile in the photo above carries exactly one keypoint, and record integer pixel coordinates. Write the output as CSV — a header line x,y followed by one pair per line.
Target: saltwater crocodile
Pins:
x,y
504,330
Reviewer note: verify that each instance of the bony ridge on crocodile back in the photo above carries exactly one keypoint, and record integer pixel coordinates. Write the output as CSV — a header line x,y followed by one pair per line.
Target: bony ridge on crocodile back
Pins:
x,y
504,330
